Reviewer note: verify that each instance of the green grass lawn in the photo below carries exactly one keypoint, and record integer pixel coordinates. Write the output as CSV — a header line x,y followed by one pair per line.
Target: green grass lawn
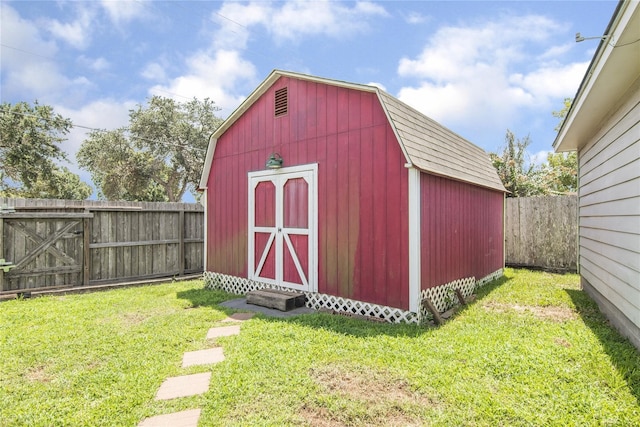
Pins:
x,y
532,350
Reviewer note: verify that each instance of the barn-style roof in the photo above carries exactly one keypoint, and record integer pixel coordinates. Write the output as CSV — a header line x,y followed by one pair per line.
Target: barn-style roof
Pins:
x,y
426,144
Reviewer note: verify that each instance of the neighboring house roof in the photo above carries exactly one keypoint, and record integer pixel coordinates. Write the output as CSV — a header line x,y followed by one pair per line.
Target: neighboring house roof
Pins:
x,y
426,144
614,69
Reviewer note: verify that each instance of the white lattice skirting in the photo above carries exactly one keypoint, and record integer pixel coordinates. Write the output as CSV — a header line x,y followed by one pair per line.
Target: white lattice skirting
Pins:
x,y
443,297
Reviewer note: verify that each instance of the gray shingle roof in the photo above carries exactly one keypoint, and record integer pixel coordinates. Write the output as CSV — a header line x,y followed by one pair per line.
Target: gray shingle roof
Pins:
x,y
433,148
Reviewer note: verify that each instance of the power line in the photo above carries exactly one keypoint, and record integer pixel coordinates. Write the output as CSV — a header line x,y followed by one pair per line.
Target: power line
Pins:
x,y
27,52
184,147
627,44
153,88
179,4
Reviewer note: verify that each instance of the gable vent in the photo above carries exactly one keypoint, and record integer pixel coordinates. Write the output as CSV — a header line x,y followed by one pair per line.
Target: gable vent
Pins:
x,y
281,102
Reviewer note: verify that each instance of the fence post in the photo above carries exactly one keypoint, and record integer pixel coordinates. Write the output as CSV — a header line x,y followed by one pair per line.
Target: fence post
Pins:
x,y
1,252
86,234
181,237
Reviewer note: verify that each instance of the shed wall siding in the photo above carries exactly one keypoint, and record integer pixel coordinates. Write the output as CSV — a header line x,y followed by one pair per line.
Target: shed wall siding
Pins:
x,y
462,231
609,215
362,188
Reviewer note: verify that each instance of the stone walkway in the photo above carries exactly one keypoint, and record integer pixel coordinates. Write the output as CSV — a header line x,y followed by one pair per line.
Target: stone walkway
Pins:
x,y
190,385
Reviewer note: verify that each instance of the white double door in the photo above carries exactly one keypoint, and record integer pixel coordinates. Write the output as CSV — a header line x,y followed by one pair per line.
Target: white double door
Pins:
x,y
283,227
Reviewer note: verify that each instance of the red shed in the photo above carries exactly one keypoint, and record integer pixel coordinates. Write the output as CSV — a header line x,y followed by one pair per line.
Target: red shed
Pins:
x,y
367,205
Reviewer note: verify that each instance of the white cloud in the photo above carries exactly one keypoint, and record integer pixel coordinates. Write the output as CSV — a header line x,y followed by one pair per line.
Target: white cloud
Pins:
x,y
552,81
22,34
95,64
378,85
154,71
556,51
465,74
235,19
455,52
289,21
100,114
298,18
539,158
124,11
222,73
215,76
28,61
78,32
414,18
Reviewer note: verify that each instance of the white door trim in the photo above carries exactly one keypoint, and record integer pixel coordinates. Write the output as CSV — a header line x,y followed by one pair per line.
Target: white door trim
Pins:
x,y
279,177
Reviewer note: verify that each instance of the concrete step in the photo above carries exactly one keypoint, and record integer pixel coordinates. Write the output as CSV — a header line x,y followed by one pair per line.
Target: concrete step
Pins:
x,y
280,300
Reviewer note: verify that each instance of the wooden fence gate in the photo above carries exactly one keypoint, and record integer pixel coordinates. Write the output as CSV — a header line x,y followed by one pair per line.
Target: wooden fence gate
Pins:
x,y
46,249
62,243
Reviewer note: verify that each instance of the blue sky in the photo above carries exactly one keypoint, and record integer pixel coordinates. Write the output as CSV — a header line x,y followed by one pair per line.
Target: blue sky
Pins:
x,y
477,67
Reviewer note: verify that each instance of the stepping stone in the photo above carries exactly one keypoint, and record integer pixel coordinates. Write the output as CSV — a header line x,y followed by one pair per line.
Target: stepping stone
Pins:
x,y
239,317
223,331
202,357
185,385
177,419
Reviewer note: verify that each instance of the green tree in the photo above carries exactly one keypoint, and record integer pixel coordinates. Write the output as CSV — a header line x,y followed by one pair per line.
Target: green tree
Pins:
x,y
559,173
566,105
520,179
29,151
158,157
61,183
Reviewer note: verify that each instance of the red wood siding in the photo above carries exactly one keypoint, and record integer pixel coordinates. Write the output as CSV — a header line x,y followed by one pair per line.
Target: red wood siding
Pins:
x,y
362,188
461,231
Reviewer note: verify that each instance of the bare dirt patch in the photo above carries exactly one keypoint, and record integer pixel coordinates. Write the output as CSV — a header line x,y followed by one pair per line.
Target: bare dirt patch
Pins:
x,y
133,319
562,342
321,417
553,313
363,397
38,374
365,384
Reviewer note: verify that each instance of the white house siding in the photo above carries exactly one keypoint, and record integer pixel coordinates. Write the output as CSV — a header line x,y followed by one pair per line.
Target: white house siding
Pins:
x,y
609,216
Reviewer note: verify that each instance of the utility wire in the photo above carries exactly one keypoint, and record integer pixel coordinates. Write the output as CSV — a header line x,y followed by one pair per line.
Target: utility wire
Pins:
x,y
181,5
26,51
184,147
627,44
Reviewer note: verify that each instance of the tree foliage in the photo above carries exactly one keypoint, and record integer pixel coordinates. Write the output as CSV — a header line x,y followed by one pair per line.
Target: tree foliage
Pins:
x,y
61,183
158,157
561,170
29,151
518,177
562,113
557,175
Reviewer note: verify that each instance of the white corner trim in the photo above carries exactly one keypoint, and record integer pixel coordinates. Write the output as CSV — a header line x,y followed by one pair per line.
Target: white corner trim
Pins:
x,y
414,240
203,202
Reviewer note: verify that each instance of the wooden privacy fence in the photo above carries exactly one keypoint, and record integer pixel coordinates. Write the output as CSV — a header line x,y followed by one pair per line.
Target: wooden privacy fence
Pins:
x,y
60,243
542,232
